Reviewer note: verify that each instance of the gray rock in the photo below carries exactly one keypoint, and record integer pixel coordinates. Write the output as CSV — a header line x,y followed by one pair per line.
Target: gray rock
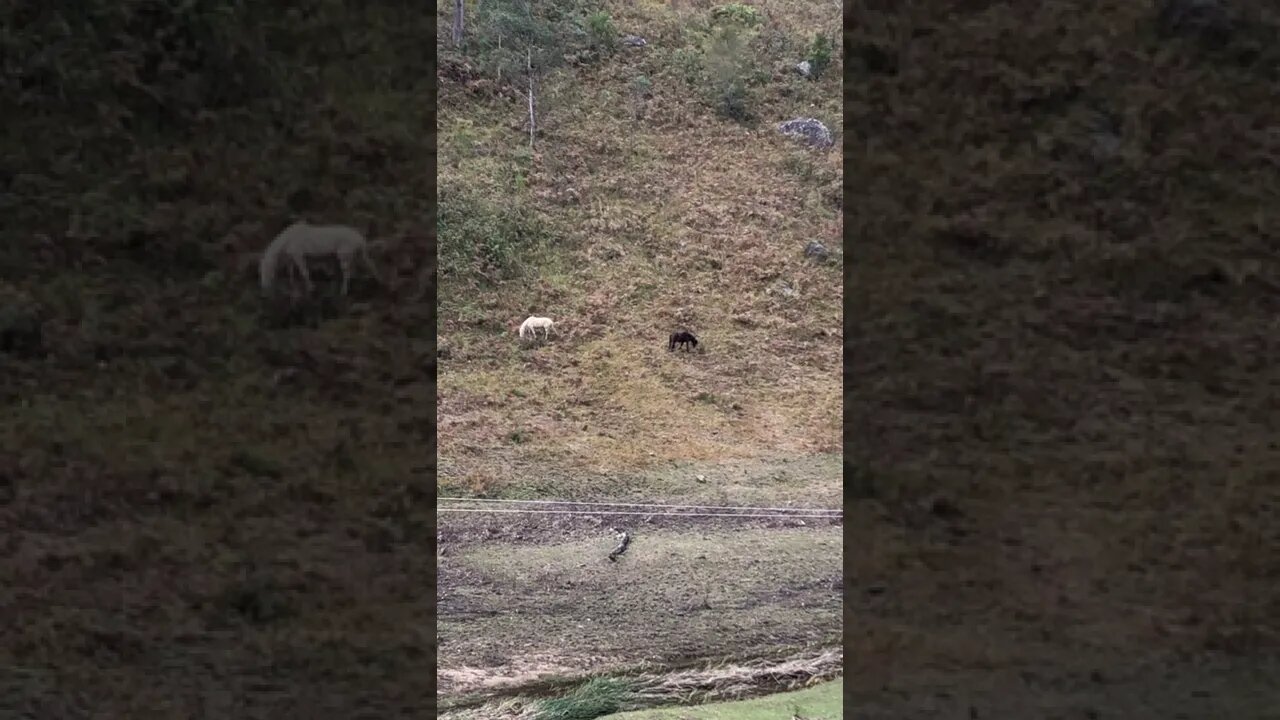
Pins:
x,y
785,289
804,68
811,131
817,251
634,41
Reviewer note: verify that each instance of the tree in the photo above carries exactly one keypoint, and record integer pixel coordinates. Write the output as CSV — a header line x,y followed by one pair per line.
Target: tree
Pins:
x,y
457,23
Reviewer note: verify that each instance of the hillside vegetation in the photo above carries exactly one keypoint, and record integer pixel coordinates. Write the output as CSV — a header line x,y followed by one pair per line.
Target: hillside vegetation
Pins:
x,y
210,500
1061,381
657,194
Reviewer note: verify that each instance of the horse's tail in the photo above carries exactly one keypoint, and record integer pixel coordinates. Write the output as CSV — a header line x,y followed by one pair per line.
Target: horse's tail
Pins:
x,y
671,342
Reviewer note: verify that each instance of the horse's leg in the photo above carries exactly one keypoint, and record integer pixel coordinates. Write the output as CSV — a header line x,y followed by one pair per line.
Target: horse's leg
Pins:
x,y
292,271
344,262
301,263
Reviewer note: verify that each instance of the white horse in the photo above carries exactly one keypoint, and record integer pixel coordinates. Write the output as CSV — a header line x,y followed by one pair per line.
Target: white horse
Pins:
x,y
529,328
302,240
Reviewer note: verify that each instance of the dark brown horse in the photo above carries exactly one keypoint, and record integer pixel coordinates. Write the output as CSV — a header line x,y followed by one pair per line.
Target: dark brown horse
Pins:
x,y
684,338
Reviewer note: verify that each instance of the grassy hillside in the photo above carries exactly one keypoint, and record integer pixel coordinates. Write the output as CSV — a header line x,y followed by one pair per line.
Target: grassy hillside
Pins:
x,y
657,194
1061,339
208,498
641,207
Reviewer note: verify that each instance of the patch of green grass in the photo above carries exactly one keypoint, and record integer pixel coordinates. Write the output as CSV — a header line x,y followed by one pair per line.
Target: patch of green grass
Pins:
x,y
820,702
592,699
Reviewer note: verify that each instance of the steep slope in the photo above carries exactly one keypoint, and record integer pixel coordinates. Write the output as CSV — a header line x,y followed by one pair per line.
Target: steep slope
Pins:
x,y
206,498
1062,392
674,217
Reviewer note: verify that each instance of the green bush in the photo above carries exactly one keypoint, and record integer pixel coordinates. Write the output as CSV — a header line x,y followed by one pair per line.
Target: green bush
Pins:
x,y
687,62
819,55
479,235
730,68
505,35
604,35
596,697
641,86
738,14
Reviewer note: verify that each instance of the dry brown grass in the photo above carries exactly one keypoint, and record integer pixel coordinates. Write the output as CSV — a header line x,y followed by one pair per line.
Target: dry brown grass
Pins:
x,y
732,681
715,682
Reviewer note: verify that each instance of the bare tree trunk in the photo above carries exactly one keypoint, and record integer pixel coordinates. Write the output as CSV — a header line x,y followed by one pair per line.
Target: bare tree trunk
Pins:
x,y
457,23
529,68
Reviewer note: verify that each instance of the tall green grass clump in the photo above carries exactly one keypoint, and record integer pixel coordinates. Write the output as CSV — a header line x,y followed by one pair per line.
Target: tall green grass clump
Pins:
x,y
592,699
